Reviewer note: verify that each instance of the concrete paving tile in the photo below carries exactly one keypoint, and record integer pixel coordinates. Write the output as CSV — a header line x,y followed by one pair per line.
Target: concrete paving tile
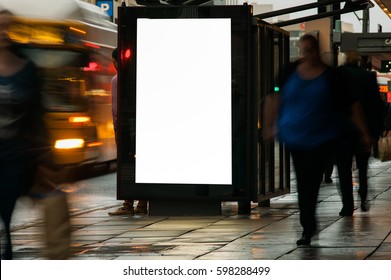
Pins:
x,y
259,251
34,255
184,226
85,220
37,229
252,222
153,257
107,232
380,256
92,238
285,225
146,240
384,248
286,239
90,258
124,249
152,233
348,240
200,219
328,253
270,253
190,250
210,232
226,256
27,236
209,239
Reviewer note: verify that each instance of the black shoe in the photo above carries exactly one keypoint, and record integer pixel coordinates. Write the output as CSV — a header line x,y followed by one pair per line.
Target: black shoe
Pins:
x,y
365,206
305,239
345,212
328,180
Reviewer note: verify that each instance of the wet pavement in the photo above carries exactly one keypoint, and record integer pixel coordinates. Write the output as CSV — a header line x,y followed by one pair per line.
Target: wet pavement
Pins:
x,y
268,233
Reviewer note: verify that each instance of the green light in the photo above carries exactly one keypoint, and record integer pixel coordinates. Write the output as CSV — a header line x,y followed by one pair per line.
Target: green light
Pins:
x,y
276,89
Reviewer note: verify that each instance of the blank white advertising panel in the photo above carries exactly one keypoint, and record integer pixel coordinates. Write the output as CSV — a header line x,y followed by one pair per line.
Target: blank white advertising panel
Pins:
x,y
183,101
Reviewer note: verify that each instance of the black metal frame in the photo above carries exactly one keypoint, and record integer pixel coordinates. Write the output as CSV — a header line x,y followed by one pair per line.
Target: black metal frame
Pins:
x,y
350,6
273,177
241,18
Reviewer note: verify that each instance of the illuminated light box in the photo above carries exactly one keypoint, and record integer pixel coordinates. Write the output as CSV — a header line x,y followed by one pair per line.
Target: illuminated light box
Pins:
x,y
183,101
186,119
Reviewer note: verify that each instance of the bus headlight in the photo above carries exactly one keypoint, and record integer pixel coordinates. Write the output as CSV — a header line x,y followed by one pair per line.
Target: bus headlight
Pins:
x,y
79,119
69,143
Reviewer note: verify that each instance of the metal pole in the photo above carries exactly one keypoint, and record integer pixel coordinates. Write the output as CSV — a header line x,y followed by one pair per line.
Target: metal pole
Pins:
x,y
365,21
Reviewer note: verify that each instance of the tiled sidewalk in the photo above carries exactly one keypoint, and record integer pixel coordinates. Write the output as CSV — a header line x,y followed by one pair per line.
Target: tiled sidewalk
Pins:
x,y
268,233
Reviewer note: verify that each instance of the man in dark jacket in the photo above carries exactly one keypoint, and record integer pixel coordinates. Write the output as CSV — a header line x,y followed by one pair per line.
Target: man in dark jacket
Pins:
x,y
362,84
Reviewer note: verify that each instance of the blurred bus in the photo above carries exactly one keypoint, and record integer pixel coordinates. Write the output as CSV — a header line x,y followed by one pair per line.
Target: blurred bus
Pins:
x,y
71,43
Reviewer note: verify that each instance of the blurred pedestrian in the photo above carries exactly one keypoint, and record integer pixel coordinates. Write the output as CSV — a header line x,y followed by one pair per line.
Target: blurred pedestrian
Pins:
x,y
23,136
358,84
127,206
353,130
306,124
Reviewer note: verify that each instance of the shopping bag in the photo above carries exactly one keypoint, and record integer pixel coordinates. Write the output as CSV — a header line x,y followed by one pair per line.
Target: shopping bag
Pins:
x,y
48,192
57,226
384,147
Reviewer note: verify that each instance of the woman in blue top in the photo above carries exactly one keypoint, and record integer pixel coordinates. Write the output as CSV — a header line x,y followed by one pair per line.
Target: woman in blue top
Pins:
x,y
307,126
310,115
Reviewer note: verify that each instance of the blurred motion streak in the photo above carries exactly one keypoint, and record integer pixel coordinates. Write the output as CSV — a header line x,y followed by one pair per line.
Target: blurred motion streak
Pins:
x,y
71,42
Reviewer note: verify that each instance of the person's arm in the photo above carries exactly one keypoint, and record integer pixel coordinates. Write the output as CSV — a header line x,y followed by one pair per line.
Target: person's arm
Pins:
x,y
360,122
114,99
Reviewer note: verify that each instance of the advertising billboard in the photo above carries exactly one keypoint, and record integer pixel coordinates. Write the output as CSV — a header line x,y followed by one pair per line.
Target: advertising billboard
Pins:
x,y
185,103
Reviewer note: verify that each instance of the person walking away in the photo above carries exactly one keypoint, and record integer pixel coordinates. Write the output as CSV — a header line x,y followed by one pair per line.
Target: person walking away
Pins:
x,y
23,135
354,134
363,83
304,120
127,206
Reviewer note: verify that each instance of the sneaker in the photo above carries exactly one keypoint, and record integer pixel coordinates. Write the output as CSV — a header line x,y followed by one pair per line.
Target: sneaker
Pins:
x,y
122,211
141,209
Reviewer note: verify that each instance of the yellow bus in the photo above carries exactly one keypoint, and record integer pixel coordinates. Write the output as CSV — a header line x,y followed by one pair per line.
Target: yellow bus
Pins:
x,y
71,43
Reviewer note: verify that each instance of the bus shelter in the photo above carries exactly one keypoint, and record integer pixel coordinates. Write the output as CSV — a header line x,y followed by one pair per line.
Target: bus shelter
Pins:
x,y
192,84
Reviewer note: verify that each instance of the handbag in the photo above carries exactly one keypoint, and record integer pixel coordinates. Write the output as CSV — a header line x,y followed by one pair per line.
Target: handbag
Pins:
x,y
384,148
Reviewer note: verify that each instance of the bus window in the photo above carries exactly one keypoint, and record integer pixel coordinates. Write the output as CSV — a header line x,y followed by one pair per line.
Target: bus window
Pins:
x,y
62,78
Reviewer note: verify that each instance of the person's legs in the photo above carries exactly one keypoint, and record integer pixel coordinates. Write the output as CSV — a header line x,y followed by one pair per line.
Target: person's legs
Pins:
x,y
362,165
344,157
126,209
13,182
329,169
309,166
142,207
